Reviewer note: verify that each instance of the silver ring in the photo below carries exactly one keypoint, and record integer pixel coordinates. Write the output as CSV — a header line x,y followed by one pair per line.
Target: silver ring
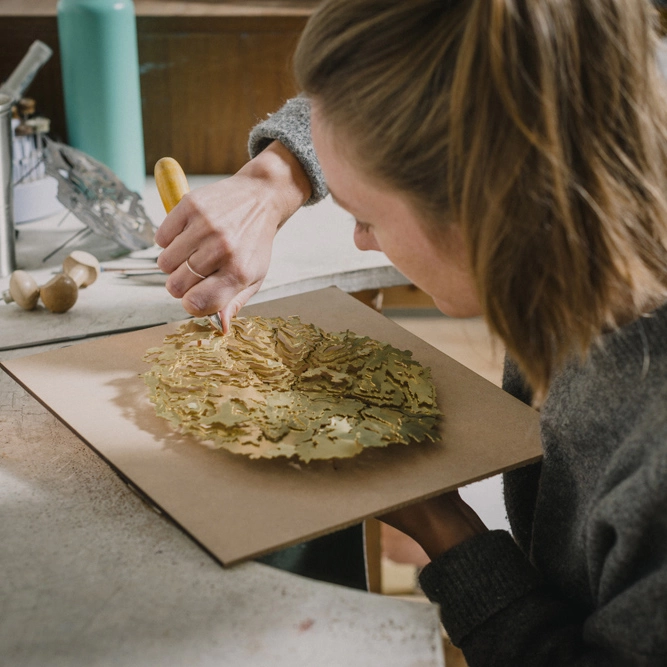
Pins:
x,y
199,275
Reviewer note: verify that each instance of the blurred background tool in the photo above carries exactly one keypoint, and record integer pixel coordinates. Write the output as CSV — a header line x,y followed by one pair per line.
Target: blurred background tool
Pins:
x,y
25,72
35,192
7,250
98,197
10,92
59,294
23,290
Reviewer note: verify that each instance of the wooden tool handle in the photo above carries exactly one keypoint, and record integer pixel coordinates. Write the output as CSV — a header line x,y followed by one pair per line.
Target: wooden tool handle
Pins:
x,y
172,185
171,182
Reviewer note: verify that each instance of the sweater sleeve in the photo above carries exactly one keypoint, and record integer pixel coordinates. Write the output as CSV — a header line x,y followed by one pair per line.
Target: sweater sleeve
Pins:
x,y
498,608
290,125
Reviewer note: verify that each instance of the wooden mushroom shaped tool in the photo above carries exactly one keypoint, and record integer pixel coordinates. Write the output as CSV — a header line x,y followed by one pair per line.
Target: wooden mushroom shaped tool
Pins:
x,y
82,267
23,290
60,293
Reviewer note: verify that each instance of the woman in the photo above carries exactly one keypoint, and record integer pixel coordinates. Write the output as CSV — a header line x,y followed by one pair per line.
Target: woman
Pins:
x,y
509,156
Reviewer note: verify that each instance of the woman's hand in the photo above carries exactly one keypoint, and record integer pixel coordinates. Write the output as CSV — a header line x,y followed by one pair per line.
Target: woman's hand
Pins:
x,y
437,524
225,232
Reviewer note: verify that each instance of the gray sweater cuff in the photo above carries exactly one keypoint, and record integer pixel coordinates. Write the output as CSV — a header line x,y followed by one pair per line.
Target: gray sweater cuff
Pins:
x,y
477,579
290,125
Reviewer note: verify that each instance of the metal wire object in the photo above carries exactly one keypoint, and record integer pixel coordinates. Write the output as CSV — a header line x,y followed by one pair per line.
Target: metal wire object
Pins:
x,y
98,197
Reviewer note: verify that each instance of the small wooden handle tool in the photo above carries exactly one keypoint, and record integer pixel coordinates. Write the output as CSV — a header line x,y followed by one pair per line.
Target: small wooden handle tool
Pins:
x,y
172,185
171,182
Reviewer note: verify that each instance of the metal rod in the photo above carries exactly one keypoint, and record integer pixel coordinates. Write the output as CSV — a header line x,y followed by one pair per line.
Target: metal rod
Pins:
x,y
67,339
82,233
60,222
27,173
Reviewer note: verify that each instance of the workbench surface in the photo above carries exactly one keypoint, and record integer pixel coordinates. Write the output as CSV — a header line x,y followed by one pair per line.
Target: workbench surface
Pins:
x,y
91,575
314,249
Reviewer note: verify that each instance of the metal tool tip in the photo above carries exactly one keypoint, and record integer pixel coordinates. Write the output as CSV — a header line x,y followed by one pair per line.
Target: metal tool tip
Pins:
x,y
216,322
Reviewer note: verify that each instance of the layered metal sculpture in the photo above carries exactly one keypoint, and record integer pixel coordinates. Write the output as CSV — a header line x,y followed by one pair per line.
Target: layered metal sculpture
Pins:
x,y
280,387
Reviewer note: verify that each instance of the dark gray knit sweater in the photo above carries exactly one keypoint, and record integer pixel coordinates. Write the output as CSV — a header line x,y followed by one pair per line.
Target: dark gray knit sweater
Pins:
x,y
583,580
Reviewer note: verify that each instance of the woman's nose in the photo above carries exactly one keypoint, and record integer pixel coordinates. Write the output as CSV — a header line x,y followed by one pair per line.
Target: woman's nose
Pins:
x,y
364,238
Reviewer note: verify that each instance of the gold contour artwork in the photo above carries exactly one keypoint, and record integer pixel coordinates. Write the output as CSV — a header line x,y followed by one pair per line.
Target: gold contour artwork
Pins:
x,y
278,387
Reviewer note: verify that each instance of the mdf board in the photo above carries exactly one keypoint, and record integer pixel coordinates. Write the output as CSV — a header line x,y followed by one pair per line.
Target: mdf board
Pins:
x,y
237,508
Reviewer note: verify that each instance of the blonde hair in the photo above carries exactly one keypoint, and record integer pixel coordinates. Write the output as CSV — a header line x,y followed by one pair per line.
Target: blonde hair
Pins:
x,y
537,126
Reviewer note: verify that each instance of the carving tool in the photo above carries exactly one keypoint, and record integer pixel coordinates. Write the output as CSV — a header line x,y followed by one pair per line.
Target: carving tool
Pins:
x,y
172,185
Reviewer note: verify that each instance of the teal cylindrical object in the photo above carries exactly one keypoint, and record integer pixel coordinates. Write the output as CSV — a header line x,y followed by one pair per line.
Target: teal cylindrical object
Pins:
x,y
100,69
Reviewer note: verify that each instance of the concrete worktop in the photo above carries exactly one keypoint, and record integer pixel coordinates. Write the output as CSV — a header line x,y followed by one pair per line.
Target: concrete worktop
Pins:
x,y
314,249
93,576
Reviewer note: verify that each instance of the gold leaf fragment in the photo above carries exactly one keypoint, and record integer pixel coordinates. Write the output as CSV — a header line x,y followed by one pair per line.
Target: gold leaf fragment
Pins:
x,y
279,387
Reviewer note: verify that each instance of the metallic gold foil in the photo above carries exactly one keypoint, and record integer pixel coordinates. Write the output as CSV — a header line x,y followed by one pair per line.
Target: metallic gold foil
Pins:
x,y
280,387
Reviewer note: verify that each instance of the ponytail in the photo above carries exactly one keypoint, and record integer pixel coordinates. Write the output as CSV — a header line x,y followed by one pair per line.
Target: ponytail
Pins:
x,y
537,126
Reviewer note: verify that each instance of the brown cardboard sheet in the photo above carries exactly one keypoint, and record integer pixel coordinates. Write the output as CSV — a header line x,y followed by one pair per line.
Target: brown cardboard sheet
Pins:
x,y
238,508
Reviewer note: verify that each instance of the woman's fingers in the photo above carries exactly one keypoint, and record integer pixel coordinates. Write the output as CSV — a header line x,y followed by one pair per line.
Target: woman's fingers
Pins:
x,y
219,293
224,231
172,226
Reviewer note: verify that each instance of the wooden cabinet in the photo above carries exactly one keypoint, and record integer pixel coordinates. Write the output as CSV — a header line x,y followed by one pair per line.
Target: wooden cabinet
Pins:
x,y
210,70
